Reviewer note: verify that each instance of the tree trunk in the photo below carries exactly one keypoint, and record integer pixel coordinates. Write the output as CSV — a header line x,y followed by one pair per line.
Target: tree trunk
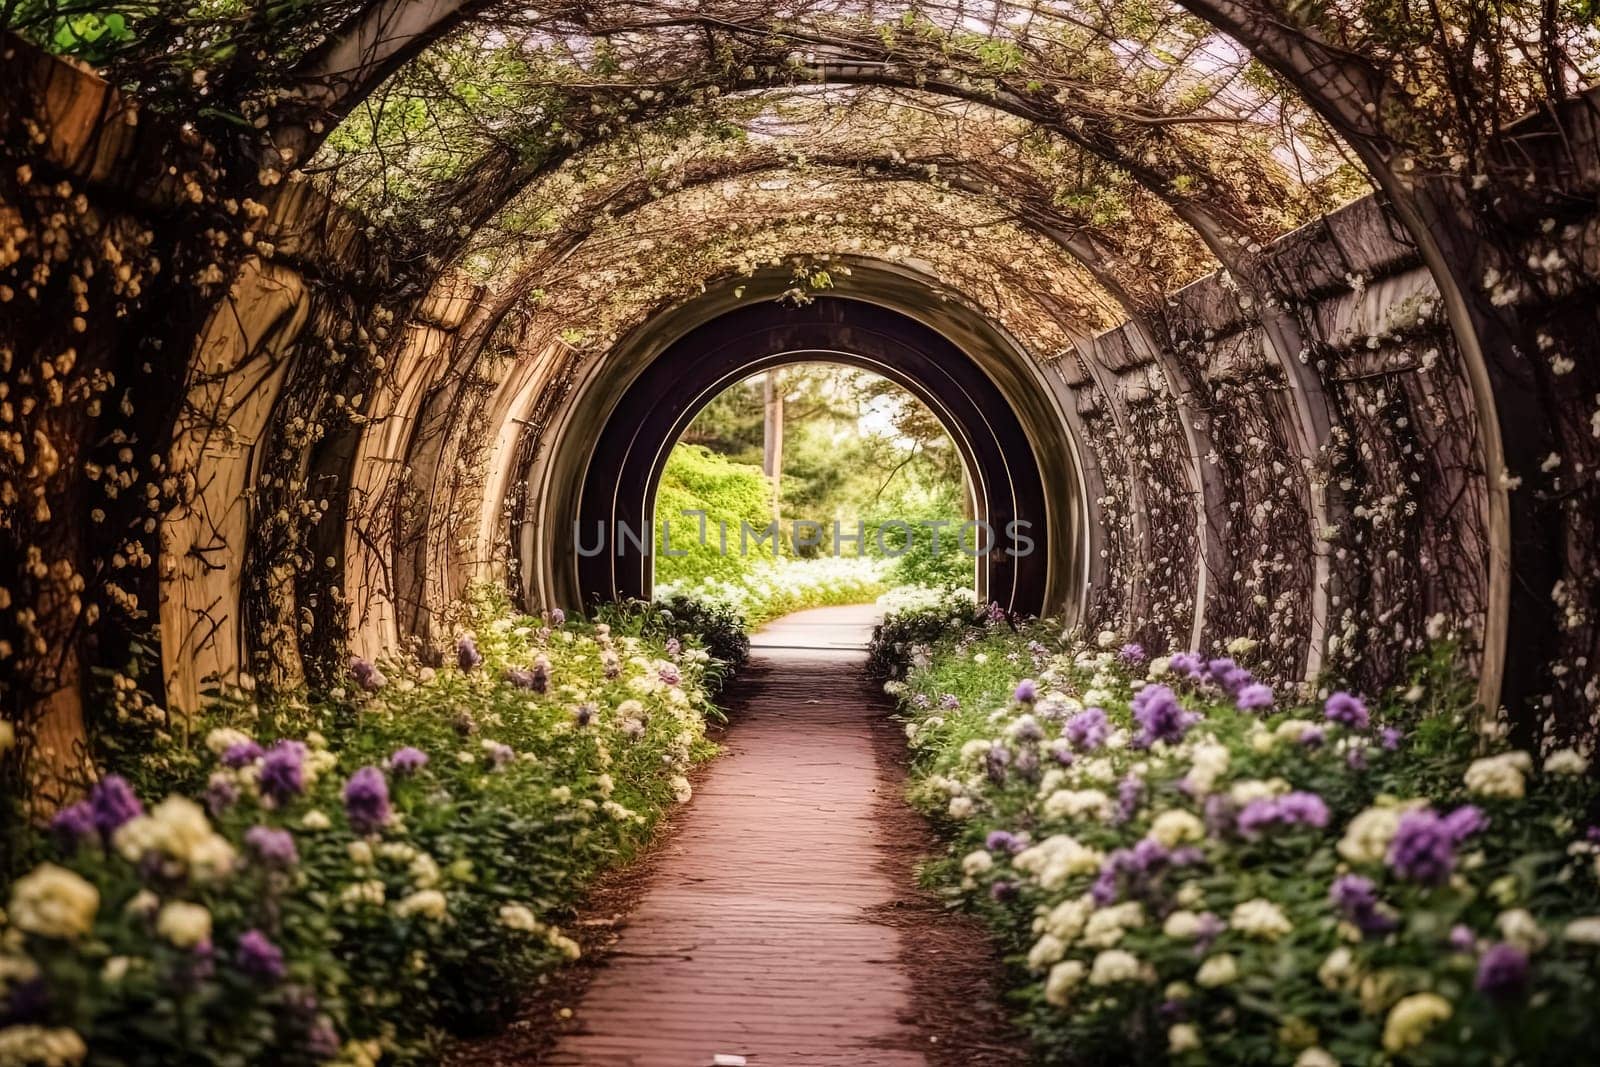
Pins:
x,y
772,439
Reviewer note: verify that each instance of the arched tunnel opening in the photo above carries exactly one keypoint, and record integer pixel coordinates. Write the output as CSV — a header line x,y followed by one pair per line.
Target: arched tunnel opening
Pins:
x,y
618,477
335,336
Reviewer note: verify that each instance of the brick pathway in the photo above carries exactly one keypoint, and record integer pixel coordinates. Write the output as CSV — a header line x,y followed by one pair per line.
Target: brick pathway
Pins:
x,y
758,936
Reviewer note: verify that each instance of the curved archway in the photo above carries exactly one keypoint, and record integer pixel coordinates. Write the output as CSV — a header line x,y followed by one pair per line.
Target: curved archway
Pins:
x,y
616,477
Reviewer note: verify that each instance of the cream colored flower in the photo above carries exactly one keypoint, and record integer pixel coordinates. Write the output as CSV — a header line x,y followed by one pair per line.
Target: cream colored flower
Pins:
x,y
1209,763
1066,919
1566,761
1182,1038
1173,828
1260,919
1113,966
1499,776
976,863
1218,970
1410,1020
1520,928
1182,925
1077,803
429,903
1338,969
1366,838
1106,927
1047,950
185,925
1063,979
1315,1057
40,1046
52,901
519,917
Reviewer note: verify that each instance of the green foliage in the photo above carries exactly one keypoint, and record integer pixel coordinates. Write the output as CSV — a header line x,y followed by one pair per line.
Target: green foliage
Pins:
x,y
775,589
729,494
1156,911
552,757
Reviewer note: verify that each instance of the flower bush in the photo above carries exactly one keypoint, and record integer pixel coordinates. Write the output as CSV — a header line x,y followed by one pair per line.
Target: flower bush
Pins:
x,y
1187,867
352,877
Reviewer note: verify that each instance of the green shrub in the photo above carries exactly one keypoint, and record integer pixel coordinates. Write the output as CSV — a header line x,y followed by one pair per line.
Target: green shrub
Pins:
x,y
729,493
771,590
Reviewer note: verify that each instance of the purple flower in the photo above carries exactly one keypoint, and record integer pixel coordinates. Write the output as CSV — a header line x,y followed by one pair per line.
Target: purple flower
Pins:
x,y
1423,849
1160,716
499,754
674,646
1347,710
1502,972
1292,809
1186,664
558,618
1254,697
1088,729
408,760
1129,790
1002,890
221,794
995,762
1000,841
1131,653
1303,809
1027,691
366,675
467,655
949,702
668,673
273,848
1461,938
322,1040
1312,737
113,803
259,957
1391,738
1229,676
366,800
1356,898
73,823
1465,821
583,714
283,772
241,754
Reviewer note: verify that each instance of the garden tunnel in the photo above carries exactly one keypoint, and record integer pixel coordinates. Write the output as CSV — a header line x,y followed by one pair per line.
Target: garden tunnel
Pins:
x,y
328,328
277,396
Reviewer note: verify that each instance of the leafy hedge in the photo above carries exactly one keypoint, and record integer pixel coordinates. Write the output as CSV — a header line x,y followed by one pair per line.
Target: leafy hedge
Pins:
x,y
344,878
697,479
1189,868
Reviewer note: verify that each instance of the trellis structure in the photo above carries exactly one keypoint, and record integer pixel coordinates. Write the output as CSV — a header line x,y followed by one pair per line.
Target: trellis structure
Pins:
x,y
297,300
